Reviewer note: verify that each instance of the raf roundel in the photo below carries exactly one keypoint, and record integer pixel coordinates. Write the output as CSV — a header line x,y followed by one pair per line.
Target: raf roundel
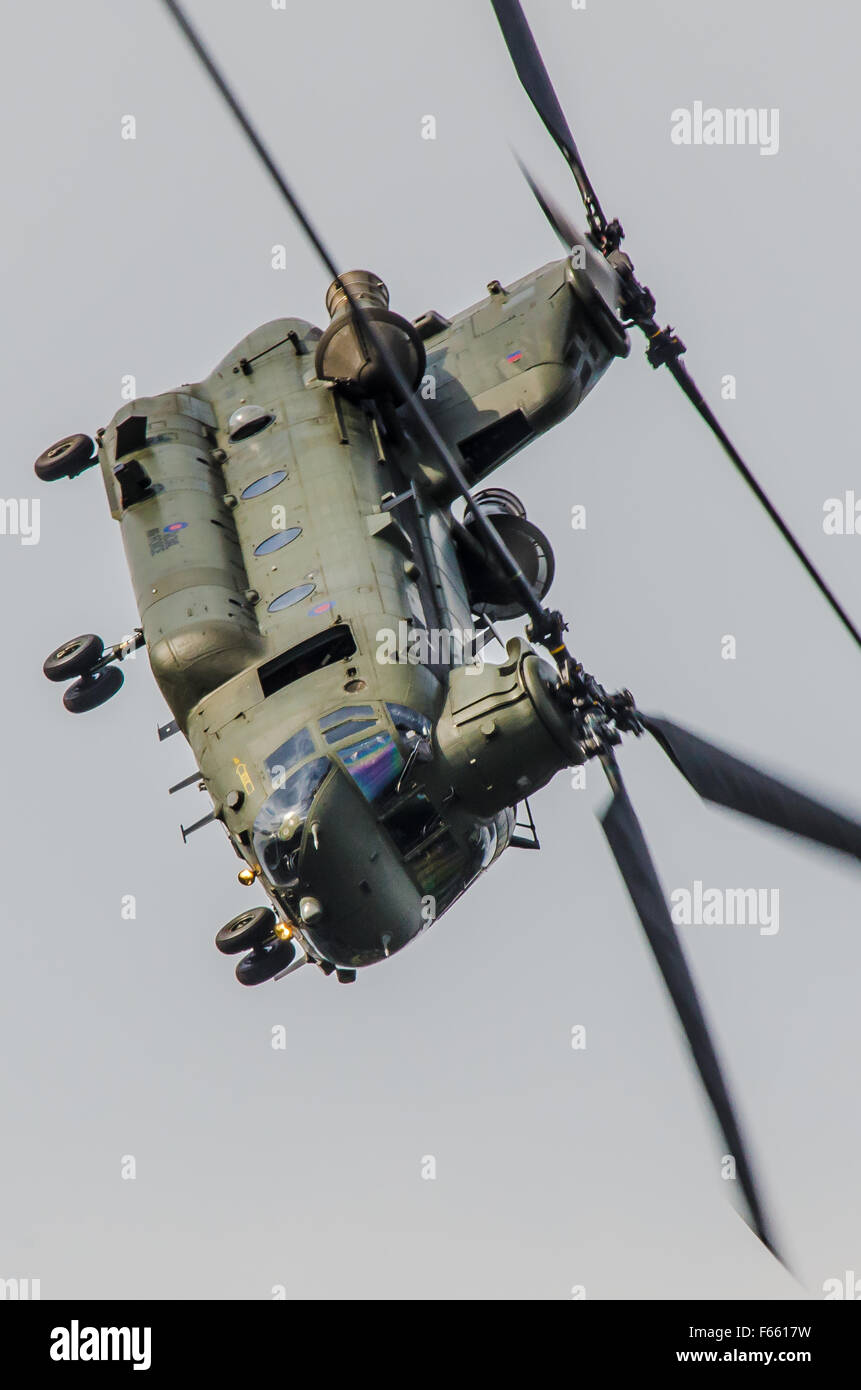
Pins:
x,y
175,526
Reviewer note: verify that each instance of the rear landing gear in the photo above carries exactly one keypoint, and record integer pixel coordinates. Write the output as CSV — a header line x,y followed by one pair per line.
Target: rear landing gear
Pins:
x,y
87,663
66,459
77,657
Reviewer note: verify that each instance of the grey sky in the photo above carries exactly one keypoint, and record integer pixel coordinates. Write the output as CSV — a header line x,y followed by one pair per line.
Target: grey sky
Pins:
x,y
555,1167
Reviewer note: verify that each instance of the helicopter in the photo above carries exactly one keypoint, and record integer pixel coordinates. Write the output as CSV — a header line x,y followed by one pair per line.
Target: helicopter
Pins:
x,y
291,527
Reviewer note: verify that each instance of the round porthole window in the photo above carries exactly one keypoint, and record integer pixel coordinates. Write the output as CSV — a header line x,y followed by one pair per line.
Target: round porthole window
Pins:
x,y
248,420
277,540
261,485
292,596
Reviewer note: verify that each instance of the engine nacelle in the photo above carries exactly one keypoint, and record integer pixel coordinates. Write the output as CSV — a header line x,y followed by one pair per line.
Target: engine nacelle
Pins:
x,y
502,733
489,595
346,356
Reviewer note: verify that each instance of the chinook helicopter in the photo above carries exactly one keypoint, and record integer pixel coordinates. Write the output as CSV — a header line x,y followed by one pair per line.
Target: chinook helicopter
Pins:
x,y
291,530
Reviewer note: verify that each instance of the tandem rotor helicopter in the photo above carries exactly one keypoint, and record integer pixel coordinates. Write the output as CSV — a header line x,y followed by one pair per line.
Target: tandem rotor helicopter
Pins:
x,y
280,514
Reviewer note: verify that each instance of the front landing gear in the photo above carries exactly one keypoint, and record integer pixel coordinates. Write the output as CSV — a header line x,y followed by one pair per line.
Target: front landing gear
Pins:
x,y
271,947
93,690
265,962
87,663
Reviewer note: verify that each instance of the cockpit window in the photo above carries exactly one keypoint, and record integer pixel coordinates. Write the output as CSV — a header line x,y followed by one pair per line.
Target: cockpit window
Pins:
x,y
437,864
281,820
441,869
374,764
345,722
347,712
300,746
410,822
352,726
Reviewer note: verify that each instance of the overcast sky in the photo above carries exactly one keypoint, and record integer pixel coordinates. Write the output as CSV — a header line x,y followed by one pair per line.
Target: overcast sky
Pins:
x,y
301,1168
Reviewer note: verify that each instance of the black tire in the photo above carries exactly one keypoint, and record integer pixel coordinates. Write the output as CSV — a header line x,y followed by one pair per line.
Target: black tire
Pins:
x,y
91,691
65,459
248,929
265,961
346,977
77,657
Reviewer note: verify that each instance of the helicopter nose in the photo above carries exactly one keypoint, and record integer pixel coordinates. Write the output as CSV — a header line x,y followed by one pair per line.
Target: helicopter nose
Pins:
x,y
358,903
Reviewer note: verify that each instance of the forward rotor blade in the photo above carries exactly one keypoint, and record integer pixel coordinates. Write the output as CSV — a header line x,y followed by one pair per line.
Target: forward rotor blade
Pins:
x,y
600,272
727,781
631,852
533,74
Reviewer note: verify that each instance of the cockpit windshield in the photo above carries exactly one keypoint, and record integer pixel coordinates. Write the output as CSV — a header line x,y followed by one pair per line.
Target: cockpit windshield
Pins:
x,y
278,765
374,763
281,819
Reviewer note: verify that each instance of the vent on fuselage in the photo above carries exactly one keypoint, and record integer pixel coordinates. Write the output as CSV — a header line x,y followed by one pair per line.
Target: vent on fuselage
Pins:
x,y
486,448
324,648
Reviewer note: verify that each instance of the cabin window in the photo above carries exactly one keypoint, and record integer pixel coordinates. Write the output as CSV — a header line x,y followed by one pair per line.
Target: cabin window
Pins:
x,y
292,596
277,540
248,420
266,484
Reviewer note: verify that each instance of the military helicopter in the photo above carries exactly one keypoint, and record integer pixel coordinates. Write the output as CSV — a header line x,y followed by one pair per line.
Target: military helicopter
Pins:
x,y
291,531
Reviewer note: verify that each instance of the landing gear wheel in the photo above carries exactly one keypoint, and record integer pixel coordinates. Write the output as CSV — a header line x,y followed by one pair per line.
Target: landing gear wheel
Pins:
x,y
66,459
247,930
91,691
265,962
346,977
77,657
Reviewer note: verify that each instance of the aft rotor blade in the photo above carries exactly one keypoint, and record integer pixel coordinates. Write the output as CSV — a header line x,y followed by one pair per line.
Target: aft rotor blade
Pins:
x,y
535,79
695,396
628,844
665,348
727,781
543,621
570,236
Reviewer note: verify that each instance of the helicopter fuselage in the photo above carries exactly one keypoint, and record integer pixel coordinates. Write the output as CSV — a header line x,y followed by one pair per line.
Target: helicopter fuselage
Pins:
x,y
283,539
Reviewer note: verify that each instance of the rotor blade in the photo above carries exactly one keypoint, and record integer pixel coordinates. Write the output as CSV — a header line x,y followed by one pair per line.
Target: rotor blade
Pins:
x,y
545,622
664,348
722,778
694,395
536,82
598,269
631,852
